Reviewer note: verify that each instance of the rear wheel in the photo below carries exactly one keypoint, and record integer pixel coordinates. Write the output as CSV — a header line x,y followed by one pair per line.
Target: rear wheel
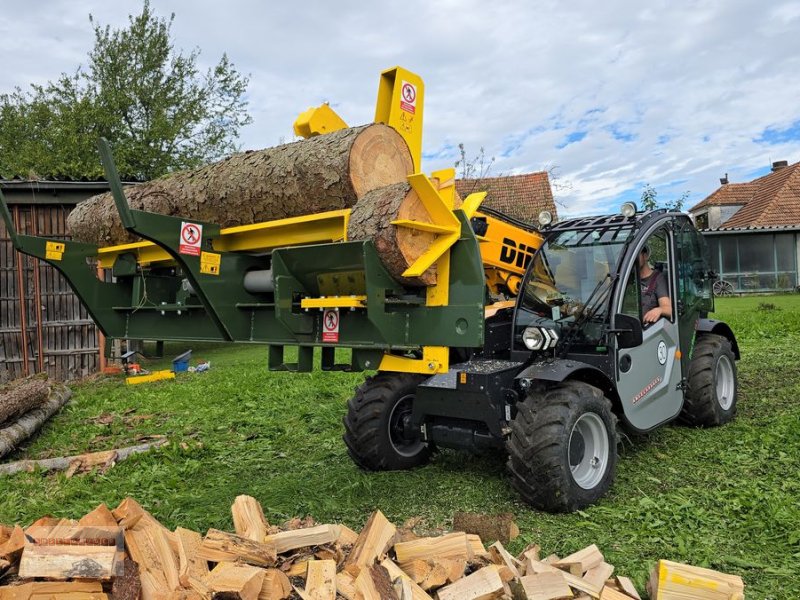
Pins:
x,y
375,432
712,390
563,447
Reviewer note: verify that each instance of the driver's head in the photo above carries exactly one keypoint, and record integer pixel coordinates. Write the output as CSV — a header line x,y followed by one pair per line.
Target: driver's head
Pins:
x,y
644,255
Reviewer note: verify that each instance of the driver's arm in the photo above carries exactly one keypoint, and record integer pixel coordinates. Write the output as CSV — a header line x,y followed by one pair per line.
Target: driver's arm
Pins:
x,y
665,305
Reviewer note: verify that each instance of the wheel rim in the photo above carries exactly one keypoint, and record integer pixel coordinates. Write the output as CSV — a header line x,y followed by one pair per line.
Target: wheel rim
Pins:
x,y
400,443
725,385
588,450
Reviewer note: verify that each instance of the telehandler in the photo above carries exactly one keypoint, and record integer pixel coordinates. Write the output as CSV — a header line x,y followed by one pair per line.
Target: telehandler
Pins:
x,y
530,341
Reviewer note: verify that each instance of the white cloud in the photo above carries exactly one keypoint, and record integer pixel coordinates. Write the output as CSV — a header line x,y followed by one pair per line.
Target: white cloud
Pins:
x,y
673,94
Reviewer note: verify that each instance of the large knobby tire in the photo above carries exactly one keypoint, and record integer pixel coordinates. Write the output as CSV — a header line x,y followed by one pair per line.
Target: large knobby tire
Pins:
x,y
563,447
712,390
373,426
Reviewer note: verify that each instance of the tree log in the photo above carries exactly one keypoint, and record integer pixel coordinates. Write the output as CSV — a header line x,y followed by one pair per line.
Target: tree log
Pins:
x,y
322,173
24,427
22,396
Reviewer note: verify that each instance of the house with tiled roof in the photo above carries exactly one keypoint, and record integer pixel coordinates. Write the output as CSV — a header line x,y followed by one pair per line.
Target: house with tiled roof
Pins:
x,y
519,196
753,230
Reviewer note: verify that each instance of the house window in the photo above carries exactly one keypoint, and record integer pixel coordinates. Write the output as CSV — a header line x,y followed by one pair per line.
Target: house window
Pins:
x,y
701,221
756,262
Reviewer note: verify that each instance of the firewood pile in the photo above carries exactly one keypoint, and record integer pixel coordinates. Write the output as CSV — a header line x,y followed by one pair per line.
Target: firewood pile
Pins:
x,y
127,554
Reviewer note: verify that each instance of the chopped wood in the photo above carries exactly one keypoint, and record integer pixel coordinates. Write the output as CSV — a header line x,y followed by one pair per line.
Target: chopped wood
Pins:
x,y
80,462
11,435
372,542
346,585
476,545
220,546
434,573
587,558
147,544
609,593
626,586
126,585
12,547
248,518
321,580
276,586
47,589
190,565
542,586
63,562
597,576
531,551
484,584
577,583
452,545
402,589
99,517
5,533
346,536
677,581
500,556
242,582
395,572
500,527
302,538
22,396
374,583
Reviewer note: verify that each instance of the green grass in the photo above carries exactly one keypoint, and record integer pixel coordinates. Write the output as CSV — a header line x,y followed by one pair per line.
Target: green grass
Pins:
x,y
726,498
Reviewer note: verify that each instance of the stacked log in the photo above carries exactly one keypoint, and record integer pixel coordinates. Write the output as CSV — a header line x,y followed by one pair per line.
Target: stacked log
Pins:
x,y
308,561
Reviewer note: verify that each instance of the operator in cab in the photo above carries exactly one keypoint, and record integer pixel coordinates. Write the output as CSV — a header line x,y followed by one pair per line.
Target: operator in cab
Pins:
x,y
654,291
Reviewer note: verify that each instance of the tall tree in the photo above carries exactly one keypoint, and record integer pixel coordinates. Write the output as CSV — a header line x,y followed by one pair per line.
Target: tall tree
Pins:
x,y
151,100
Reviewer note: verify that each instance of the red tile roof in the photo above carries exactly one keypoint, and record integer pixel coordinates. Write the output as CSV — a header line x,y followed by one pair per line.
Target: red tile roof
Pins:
x,y
769,201
519,196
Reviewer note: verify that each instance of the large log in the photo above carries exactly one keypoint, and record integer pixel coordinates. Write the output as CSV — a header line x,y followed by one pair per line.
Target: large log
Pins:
x,y
24,427
22,396
322,173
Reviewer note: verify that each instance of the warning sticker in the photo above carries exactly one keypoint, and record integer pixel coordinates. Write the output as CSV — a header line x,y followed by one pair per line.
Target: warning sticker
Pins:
x,y
209,263
54,250
408,97
191,237
330,325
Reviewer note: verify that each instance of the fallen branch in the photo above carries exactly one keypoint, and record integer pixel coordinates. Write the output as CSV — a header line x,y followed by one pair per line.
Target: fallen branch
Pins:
x,y
28,424
80,462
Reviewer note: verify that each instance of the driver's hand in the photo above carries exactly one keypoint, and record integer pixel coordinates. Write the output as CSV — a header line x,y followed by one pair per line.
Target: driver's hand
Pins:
x,y
651,316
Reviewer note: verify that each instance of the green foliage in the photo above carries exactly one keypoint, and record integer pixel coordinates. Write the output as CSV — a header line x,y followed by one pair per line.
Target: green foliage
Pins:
x,y
149,99
649,200
725,498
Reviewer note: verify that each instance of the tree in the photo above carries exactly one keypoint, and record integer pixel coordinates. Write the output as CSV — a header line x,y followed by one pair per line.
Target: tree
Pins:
x,y
649,200
150,100
477,168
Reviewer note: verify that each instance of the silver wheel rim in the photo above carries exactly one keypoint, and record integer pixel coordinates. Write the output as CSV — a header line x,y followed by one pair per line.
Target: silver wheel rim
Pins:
x,y
588,450
395,427
725,385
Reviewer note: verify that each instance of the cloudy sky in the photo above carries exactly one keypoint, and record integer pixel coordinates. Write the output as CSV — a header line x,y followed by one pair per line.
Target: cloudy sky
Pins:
x,y
612,95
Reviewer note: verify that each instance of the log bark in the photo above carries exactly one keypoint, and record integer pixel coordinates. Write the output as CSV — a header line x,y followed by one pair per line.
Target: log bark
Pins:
x,y
22,396
24,427
322,173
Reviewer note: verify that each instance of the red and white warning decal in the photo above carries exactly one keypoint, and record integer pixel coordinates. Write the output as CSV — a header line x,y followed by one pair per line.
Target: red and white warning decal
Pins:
x,y
330,325
191,237
408,97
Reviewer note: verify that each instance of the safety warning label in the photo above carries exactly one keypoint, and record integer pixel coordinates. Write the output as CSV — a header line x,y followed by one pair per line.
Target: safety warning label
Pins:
x,y
191,238
408,97
330,325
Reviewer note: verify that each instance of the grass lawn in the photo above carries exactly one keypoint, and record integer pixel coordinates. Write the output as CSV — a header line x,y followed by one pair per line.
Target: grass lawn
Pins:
x,y
726,498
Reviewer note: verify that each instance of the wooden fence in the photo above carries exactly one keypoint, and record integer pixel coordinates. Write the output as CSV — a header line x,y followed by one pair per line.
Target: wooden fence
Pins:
x,y
43,326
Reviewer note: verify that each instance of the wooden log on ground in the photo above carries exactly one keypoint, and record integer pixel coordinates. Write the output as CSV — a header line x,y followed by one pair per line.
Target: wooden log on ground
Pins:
x,y
11,435
373,541
322,173
541,586
484,584
99,517
276,586
286,541
190,565
395,572
626,585
80,461
452,545
321,580
22,396
490,528
248,518
41,590
674,581
374,583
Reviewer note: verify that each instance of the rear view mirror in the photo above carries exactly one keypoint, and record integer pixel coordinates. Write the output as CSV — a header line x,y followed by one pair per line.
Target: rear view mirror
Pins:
x,y
628,330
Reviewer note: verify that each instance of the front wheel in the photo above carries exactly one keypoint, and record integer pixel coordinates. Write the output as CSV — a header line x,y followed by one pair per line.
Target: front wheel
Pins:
x,y
563,447
712,391
374,427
